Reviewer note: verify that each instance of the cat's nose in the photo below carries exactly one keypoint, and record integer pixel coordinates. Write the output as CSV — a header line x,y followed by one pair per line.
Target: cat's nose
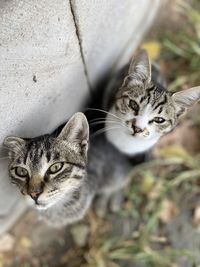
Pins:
x,y
137,129
35,192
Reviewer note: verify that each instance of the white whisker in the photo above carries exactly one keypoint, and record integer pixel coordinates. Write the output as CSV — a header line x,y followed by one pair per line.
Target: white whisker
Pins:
x,y
99,118
4,158
107,121
109,113
103,130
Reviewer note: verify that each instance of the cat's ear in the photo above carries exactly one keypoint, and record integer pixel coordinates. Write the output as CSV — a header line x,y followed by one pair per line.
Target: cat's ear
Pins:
x,y
76,130
185,99
13,142
140,69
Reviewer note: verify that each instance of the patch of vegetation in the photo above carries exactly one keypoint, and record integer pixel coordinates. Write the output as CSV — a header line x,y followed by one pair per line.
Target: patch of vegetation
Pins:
x,y
181,50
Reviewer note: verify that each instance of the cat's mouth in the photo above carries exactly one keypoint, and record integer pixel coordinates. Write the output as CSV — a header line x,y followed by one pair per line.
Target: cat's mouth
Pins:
x,y
43,206
45,203
138,131
142,133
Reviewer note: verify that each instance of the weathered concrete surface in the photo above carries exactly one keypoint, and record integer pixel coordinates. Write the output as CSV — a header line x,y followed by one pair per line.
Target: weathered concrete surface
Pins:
x,y
46,47
109,31
39,88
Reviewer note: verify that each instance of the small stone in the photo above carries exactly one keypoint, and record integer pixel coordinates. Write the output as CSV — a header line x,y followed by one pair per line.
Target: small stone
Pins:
x,y
196,217
80,234
169,211
25,242
7,242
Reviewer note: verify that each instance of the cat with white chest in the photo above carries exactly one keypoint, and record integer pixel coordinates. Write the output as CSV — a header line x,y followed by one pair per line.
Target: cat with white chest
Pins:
x,y
141,109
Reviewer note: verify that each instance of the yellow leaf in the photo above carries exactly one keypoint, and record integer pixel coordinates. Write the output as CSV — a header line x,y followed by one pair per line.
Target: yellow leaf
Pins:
x,y
147,183
1,261
153,48
174,151
25,242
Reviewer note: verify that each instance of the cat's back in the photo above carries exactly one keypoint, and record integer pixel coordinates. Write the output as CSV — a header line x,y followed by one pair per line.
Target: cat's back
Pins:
x,y
107,166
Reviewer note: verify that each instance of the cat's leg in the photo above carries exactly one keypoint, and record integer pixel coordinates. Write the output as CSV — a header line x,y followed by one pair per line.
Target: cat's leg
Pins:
x,y
101,204
116,201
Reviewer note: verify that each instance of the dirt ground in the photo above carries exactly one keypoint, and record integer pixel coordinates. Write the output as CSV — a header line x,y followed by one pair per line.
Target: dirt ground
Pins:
x,y
93,241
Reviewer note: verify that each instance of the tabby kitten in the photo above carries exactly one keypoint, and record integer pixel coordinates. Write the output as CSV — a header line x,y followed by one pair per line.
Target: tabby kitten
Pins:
x,y
143,110
54,171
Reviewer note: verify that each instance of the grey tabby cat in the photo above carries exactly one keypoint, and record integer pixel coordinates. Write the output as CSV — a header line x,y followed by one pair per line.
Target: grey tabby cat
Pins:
x,y
56,172
141,109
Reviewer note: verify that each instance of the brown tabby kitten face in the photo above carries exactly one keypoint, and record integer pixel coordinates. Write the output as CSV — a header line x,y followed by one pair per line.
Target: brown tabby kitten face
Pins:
x,y
147,112
143,111
48,168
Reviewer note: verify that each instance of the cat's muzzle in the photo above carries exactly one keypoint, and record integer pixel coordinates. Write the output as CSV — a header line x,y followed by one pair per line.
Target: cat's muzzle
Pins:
x,y
140,132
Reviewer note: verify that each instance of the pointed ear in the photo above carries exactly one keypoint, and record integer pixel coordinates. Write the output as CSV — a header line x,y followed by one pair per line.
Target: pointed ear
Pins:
x,y
185,99
13,142
140,69
76,130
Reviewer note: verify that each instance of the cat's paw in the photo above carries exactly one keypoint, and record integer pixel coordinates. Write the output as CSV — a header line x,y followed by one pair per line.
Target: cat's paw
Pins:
x,y
116,202
100,206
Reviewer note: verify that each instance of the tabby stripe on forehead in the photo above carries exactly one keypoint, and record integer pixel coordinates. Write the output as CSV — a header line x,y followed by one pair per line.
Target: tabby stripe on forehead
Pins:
x,y
161,103
149,93
142,99
41,153
48,156
160,110
36,156
148,100
56,156
25,157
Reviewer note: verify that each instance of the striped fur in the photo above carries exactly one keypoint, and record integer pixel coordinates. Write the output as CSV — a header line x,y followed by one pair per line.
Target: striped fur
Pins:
x,y
142,110
64,197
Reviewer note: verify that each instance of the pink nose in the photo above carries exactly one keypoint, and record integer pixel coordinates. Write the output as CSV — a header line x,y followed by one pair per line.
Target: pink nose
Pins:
x,y
35,196
34,192
137,129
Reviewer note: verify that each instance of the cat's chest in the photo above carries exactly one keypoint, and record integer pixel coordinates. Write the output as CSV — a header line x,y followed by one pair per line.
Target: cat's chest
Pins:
x,y
130,145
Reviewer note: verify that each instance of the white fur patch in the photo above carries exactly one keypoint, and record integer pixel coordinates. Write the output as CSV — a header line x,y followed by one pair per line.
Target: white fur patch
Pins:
x,y
129,144
121,137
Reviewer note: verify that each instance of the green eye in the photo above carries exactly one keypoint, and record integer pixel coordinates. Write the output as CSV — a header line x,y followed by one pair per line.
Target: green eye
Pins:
x,y
159,120
21,172
56,167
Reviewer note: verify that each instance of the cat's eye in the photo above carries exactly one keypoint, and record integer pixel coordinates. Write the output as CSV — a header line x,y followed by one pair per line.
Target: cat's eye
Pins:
x,y
56,167
159,120
133,105
21,172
